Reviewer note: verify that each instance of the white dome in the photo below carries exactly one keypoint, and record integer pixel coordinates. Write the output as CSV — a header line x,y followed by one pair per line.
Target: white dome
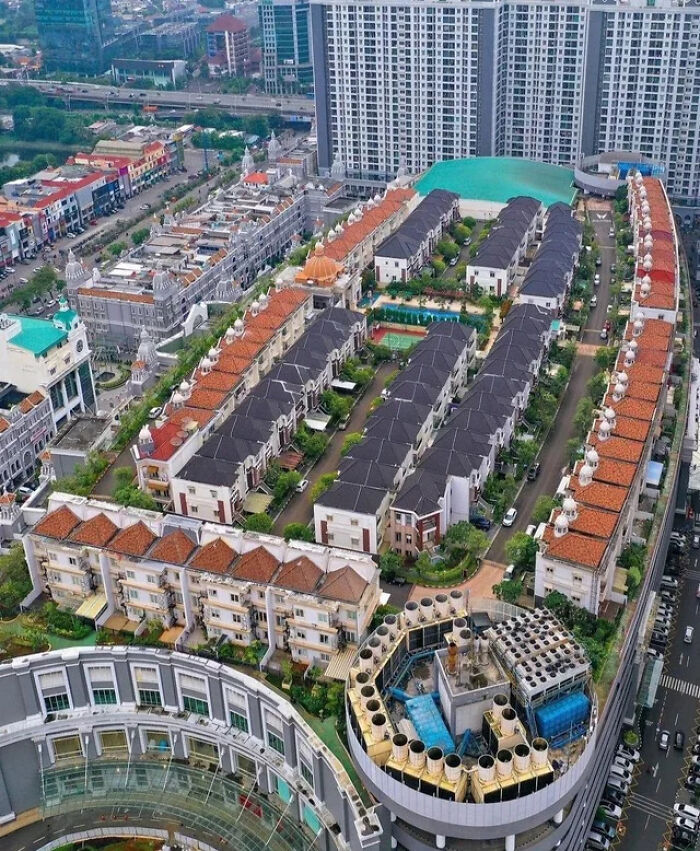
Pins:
x,y
604,428
264,299
255,305
630,358
238,323
619,389
561,525
639,180
645,280
206,364
145,434
647,265
377,198
648,258
569,505
592,458
633,345
609,414
184,387
213,353
230,333
646,208
178,398
585,474
623,378
338,229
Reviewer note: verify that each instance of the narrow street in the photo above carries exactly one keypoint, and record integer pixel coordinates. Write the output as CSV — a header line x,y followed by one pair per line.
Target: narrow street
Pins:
x,y
300,508
553,456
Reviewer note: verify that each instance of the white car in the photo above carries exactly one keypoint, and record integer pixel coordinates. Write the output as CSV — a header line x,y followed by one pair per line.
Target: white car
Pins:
x,y
686,824
302,486
686,811
594,300
612,811
619,771
623,763
688,637
509,517
531,529
626,752
154,413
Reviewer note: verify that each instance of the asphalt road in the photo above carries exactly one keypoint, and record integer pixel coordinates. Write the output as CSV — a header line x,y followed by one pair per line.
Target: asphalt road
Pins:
x,y
300,508
554,457
286,105
659,782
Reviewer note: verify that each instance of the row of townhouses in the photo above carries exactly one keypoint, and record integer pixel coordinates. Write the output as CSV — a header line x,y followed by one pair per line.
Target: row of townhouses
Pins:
x,y
445,486
233,461
222,381
403,254
608,496
127,569
352,513
209,254
46,379
502,253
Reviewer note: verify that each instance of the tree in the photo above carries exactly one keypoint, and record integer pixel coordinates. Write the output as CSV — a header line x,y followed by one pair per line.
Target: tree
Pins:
x,y
438,265
389,565
543,508
15,581
573,450
462,540
509,590
583,417
298,532
129,494
596,387
521,551
312,444
322,485
526,451
461,233
605,358
259,523
138,237
448,249
423,562
286,482
336,405
351,440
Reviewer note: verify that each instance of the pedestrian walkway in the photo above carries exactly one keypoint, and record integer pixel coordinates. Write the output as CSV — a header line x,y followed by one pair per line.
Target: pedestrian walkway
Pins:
x,y
682,686
649,806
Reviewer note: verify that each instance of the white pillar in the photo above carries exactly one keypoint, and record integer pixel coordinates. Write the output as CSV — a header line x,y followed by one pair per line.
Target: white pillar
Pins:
x,y
394,842
510,842
558,818
439,840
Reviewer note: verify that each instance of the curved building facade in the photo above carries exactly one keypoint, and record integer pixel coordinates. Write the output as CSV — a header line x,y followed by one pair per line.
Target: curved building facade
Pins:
x,y
199,743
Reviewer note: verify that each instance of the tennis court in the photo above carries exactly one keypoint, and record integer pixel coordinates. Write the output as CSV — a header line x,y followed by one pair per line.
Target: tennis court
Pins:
x,y
397,340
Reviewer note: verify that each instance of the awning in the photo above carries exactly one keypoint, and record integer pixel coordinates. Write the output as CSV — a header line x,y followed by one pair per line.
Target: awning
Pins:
x,y
317,422
170,636
620,580
339,666
92,607
650,682
257,503
339,384
118,623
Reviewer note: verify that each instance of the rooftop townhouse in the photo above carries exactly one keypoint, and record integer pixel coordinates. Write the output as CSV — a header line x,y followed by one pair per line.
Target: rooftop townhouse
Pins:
x,y
211,253
124,568
352,513
446,483
656,278
403,254
548,279
602,499
232,462
26,427
503,251
226,375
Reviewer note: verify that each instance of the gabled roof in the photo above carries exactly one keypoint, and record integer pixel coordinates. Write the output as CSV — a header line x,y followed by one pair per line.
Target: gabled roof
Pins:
x,y
134,540
344,585
58,524
175,547
300,575
258,565
216,556
95,532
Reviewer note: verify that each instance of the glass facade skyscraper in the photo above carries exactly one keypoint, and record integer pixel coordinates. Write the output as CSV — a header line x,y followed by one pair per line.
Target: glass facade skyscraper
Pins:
x,y
287,61
73,34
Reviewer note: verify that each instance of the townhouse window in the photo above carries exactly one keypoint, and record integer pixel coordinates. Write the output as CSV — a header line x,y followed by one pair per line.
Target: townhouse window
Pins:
x,y
195,704
324,639
325,657
354,542
130,574
56,702
300,634
299,613
276,742
213,592
549,570
104,696
238,720
578,578
149,697
306,772
216,614
151,579
354,523
234,598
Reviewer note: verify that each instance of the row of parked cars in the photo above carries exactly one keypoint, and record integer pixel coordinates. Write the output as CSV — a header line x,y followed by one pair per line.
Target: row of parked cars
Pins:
x,y
604,830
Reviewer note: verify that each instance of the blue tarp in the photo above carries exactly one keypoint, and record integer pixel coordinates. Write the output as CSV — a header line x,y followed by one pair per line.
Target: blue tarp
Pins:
x,y
429,723
654,472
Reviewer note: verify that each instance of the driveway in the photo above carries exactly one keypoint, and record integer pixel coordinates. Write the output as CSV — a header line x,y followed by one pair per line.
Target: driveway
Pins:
x,y
300,508
489,574
553,456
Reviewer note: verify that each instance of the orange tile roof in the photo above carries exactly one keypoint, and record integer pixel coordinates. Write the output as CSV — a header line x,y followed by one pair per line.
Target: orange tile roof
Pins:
x,y
598,495
647,392
95,532
344,585
25,406
258,565
642,372
618,447
579,549
134,540
36,398
636,409
653,357
7,498
630,429
4,425
175,547
258,178
299,575
114,294
57,524
612,471
592,521
207,399
217,380
216,556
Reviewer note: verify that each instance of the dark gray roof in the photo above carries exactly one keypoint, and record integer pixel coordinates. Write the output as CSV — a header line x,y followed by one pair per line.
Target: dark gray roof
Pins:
x,y
371,474
384,451
499,247
210,471
397,409
393,430
411,391
421,493
352,497
408,238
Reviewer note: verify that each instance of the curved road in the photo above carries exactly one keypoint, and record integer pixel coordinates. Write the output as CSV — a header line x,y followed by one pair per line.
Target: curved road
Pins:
x,y
553,456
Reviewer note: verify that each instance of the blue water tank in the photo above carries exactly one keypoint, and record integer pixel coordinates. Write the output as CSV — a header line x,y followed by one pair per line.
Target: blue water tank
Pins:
x,y
562,715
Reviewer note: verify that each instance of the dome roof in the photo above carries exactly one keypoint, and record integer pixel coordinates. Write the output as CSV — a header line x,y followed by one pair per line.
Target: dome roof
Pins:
x,y
592,457
319,268
238,323
561,524
609,414
206,363
604,428
184,386
569,505
619,389
145,433
622,377
213,353
585,474
178,398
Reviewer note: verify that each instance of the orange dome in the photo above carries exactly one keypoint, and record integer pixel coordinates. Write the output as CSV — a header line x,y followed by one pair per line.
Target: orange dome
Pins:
x,y
320,269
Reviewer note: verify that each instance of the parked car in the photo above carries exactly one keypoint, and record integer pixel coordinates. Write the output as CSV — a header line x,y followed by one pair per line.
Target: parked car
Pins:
x,y
612,811
629,753
154,413
594,300
480,522
613,797
509,517
619,784
606,829
618,771
687,811
604,334
664,740
598,261
597,841
686,824
23,493
688,635
679,740
533,471
509,572
302,486
696,542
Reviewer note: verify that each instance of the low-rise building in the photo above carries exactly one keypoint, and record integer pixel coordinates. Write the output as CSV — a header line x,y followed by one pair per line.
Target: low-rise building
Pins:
x,y
233,461
353,512
26,427
503,251
51,357
124,567
606,500
333,285
171,38
160,72
402,255
240,360
228,46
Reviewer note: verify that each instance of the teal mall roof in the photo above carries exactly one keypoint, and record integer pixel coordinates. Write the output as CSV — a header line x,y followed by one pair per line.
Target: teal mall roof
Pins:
x,y
497,179
37,336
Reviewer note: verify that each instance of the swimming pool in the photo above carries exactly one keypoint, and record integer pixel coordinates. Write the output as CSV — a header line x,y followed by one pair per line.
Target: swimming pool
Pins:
x,y
407,314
